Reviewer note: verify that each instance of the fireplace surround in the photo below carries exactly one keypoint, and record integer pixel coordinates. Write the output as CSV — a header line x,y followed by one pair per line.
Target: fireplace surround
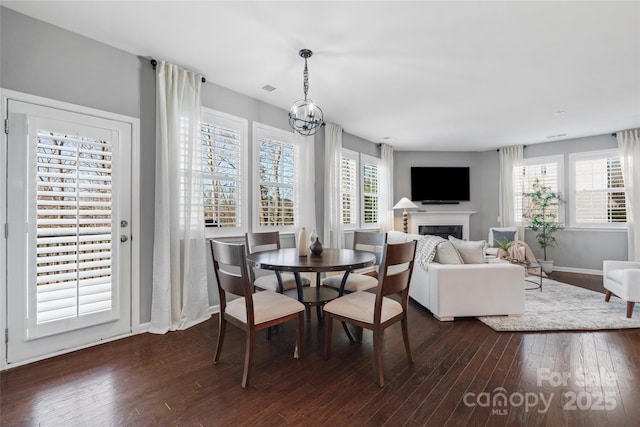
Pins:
x,y
444,219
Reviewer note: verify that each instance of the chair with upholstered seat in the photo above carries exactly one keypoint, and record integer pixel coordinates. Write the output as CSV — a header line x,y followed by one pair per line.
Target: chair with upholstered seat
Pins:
x,y
252,311
364,241
377,311
622,278
497,234
273,280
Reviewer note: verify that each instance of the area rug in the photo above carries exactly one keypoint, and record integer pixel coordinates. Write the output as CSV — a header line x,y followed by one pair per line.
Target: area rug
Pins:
x,y
563,307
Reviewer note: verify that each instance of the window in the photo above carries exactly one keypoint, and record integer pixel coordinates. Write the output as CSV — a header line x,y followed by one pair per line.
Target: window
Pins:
x,y
547,172
349,188
224,173
278,179
597,189
370,191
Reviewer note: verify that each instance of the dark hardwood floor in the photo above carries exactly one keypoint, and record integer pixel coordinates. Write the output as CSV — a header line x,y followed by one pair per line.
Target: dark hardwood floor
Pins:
x,y
463,372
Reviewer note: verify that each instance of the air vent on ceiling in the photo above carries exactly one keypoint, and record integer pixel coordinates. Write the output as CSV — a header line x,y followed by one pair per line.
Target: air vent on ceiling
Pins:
x,y
268,88
560,135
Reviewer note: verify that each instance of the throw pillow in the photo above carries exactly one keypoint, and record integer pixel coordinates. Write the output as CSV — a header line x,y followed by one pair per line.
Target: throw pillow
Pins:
x,y
472,252
498,236
447,254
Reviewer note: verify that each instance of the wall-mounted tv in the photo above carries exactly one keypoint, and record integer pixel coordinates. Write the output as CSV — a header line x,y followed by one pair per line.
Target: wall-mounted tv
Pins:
x,y
440,185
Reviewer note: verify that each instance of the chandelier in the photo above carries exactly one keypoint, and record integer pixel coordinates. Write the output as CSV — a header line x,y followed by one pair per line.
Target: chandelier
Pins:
x,y
304,116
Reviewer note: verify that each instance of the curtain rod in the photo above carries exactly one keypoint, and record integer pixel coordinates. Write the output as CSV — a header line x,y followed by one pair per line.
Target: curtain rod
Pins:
x,y
154,63
523,147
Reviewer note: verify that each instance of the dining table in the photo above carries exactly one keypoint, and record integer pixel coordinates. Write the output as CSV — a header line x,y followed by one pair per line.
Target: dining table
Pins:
x,y
331,259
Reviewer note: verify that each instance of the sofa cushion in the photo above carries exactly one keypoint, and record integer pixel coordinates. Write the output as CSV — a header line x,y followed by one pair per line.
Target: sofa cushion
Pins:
x,y
446,253
500,235
472,252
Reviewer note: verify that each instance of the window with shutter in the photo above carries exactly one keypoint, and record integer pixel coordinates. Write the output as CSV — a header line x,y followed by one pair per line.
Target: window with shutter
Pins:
x,y
73,226
224,182
276,169
349,188
598,189
547,171
370,191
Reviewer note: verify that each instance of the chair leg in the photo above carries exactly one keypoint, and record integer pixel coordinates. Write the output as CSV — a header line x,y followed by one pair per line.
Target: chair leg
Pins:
x,y
299,351
405,336
222,327
377,354
607,296
328,331
630,306
248,357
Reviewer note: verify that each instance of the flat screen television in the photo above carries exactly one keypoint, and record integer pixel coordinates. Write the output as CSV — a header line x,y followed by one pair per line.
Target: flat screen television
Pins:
x,y
440,185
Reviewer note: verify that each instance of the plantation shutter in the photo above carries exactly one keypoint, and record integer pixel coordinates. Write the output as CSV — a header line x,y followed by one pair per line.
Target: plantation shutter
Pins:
x,y
348,188
276,183
72,194
546,172
222,185
370,192
599,189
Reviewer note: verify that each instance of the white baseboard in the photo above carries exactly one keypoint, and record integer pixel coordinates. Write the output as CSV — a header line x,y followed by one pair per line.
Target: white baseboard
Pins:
x,y
577,270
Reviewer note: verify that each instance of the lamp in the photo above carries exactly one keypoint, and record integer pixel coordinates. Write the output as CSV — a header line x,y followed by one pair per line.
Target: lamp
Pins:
x,y
405,204
304,116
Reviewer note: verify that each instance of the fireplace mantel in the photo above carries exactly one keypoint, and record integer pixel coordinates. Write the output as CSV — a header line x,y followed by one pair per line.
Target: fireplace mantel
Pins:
x,y
441,218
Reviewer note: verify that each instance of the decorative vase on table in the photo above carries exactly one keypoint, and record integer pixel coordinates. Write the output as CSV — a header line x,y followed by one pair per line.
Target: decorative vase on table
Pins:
x,y
316,247
312,237
302,242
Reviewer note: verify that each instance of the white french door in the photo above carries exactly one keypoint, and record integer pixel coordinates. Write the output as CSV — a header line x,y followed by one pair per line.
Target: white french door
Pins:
x,y
68,222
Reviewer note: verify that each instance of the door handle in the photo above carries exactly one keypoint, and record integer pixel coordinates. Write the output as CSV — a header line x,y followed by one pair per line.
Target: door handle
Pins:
x,y
124,238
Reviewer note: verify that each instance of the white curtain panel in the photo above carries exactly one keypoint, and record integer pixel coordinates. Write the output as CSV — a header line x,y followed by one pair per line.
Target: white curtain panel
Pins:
x,y
333,228
306,194
629,143
179,296
386,188
510,159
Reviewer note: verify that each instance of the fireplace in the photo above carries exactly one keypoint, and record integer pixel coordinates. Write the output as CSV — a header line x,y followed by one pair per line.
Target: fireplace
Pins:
x,y
443,231
441,223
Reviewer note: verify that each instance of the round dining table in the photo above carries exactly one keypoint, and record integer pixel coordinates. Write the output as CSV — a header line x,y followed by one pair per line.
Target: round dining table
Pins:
x,y
330,259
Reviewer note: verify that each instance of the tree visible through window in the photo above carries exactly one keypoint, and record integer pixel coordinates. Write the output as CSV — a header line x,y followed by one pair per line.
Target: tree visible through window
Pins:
x,y
276,183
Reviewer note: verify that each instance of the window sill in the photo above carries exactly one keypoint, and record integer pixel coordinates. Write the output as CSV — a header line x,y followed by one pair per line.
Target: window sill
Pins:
x,y
599,229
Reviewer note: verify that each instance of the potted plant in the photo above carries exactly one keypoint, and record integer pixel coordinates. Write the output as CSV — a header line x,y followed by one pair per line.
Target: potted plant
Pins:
x,y
542,216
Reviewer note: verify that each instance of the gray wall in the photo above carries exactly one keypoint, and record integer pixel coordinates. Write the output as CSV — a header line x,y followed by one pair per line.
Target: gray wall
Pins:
x,y
404,160
577,248
44,60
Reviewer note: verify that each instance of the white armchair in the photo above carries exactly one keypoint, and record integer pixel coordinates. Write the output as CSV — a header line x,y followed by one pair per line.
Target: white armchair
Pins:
x,y
622,278
496,234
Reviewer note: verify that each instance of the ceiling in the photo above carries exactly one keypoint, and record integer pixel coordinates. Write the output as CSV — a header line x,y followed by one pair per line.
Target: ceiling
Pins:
x,y
419,75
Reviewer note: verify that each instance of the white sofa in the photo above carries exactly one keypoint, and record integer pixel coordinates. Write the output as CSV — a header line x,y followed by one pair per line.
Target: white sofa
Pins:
x,y
461,290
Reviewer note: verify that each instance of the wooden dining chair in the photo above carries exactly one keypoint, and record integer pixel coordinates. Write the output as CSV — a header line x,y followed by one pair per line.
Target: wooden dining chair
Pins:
x,y
377,311
273,280
252,311
364,241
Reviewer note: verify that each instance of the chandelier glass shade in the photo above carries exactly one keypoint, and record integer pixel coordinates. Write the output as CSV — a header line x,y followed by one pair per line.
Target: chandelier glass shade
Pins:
x,y
305,117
